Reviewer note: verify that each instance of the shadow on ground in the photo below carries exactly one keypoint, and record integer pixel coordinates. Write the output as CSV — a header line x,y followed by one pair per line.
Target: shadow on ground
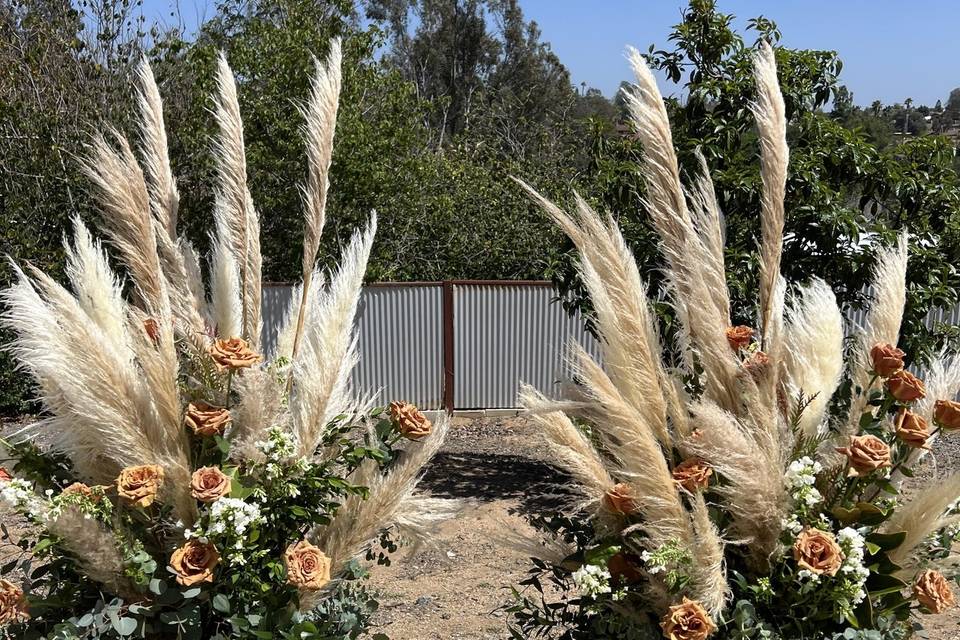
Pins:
x,y
486,477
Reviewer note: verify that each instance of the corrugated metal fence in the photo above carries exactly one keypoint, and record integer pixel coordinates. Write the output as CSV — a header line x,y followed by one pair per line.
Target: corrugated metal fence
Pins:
x,y
466,344
460,345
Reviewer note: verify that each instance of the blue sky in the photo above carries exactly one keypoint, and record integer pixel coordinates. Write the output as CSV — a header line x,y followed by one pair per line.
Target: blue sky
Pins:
x,y
891,49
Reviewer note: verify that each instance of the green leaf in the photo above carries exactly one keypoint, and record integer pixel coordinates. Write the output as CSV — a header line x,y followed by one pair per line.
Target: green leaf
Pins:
x,y
221,603
887,541
191,593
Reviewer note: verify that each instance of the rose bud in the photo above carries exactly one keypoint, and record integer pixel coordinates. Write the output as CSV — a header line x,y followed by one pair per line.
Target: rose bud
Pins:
x,y
209,484
13,604
933,591
912,429
757,365
233,354
818,552
739,337
206,420
140,485
307,566
152,329
693,474
905,387
946,413
619,499
866,454
410,422
624,569
887,359
5,475
687,621
194,562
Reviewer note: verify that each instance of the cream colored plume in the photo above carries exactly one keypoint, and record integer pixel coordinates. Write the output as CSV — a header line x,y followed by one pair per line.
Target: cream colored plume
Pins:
x,y
320,371
770,115
882,325
692,259
922,514
237,222
321,120
813,358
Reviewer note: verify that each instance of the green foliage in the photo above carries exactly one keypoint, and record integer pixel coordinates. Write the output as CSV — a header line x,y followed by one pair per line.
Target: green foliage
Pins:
x,y
844,197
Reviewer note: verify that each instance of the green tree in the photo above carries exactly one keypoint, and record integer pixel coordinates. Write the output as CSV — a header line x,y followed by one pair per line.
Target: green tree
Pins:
x,y
844,196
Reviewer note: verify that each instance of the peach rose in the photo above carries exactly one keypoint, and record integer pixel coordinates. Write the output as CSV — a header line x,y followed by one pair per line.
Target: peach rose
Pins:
x,y
307,566
13,604
687,621
409,420
756,365
866,454
152,329
619,499
140,485
693,474
209,484
887,359
206,420
233,354
194,562
739,337
905,386
933,591
5,475
912,429
946,413
817,552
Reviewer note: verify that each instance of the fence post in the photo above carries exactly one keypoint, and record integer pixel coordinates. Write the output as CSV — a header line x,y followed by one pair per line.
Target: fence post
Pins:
x,y
447,320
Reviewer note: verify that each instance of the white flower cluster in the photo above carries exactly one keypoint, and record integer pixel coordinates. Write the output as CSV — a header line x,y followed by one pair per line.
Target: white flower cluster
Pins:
x,y
592,580
801,476
851,541
232,516
279,447
18,494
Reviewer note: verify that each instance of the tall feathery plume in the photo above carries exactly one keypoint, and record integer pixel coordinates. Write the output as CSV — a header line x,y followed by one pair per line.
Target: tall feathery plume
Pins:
x,y
924,513
321,119
770,115
321,369
237,223
813,354
882,325
684,251
164,202
122,192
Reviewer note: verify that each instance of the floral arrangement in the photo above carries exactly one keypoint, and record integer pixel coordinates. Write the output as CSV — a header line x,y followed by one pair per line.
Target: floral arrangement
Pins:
x,y
188,485
753,487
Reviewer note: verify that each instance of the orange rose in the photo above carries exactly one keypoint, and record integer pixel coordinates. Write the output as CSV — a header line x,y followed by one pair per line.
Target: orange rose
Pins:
x,y
693,474
946,413
206,420
905,386
817,552
687,621
233,354
13,604
756,365
5,475
409,420
152,329
307,566
933,591
194,562
866,454
619,499
912,429
887,359
624,569
140,485
209,484
739,337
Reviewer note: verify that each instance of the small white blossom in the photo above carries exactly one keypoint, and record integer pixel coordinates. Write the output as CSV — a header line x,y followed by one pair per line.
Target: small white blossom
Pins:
x,y
233,515
592,580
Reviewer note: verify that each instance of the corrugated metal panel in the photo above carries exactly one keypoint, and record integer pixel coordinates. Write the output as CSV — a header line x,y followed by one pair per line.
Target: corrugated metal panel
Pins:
x,y
401,344
399,339
507,334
